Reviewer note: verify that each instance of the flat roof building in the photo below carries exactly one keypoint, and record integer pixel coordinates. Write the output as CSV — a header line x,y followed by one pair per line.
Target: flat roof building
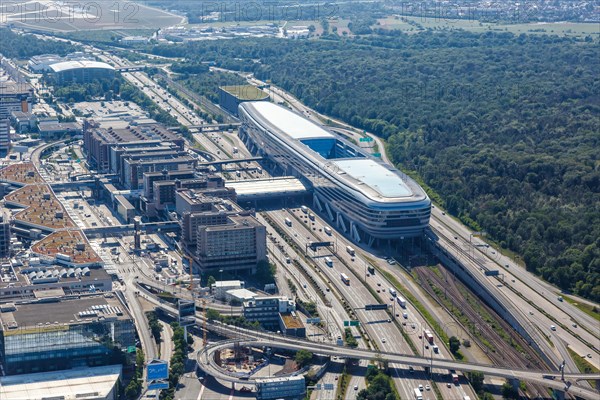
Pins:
x,y
70,333
90,383
81,71
15,97
230,97
363,197
266,309
97,142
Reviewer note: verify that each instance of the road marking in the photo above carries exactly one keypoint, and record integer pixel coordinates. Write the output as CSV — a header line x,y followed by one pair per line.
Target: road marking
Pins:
x,y
201,391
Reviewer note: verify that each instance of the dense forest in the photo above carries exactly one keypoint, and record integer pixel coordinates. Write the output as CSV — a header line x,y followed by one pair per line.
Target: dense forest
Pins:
x,y
504,128
13,45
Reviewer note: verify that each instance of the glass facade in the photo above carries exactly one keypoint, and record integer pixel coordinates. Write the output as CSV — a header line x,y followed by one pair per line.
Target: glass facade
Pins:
x,y
55,347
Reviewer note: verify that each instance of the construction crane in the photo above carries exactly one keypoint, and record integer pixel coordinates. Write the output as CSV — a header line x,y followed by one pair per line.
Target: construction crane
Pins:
x,y
191,288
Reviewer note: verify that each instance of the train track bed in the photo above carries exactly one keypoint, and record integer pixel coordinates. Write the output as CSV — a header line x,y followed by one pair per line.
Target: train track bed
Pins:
x,y
491,333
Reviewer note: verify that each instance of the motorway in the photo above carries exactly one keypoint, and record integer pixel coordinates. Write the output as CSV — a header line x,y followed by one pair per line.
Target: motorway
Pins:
x,y
385,333
579,330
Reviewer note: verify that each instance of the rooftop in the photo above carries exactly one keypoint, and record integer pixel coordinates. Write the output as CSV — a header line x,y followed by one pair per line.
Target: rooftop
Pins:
x,y
374,174
75,384
42,208
12,88
291,321
266,187
69,65
54,315
72,244
286,121
24,173
246,92
219,284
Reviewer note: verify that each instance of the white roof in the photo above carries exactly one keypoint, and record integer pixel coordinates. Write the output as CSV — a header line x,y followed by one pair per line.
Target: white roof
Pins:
x,y
70,384
288,122
375,175
242,293
67,65
226,284
267,186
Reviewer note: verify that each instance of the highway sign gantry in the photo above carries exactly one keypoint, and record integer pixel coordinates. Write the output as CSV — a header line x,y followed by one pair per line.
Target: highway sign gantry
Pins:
x,y
157,369
370,307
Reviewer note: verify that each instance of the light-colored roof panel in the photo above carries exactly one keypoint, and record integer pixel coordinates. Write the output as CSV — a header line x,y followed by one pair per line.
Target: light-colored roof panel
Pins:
x,y
67,65
288,122
375,175
266,186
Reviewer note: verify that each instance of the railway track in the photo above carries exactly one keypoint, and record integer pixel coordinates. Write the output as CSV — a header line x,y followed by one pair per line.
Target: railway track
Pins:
x,y
500,352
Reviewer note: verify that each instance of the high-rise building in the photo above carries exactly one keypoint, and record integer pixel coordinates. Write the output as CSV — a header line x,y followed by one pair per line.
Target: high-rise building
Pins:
x,y
4,136
15,97
4,235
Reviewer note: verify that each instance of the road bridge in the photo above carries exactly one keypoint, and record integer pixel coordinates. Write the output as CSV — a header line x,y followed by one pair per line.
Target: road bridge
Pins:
x,y
550,379
148,227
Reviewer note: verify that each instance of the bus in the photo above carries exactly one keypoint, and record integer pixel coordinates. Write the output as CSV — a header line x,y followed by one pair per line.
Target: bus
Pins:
x,y
345,278
329,262
350,250
327,230
401,301
455,379
418,394
371,269
393,292
428,336
288,222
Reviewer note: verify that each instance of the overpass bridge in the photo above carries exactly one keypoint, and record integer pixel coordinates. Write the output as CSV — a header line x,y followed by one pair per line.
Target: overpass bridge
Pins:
x,y
552,379
246,337
129,229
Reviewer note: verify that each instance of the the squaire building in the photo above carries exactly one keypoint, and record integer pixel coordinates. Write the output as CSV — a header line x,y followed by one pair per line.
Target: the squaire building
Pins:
x,y
362,196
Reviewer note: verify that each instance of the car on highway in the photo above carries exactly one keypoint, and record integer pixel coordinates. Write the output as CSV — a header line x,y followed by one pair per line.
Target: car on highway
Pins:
x,y
552,327
448,385
420,387
355,387
427,387
389,320
378,291
383,340
378,284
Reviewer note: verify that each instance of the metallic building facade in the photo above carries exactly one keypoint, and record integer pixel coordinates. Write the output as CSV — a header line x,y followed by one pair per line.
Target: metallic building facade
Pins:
x,y
382,204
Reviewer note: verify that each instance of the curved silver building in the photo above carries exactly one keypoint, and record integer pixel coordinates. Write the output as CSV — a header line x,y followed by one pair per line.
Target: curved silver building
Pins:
x,y
362,196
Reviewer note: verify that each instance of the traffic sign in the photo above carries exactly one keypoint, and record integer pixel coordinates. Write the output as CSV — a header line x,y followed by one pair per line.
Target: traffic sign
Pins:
x,y
494,272
369,307
158,385
365,139
377,155
351,323
157,369
131,349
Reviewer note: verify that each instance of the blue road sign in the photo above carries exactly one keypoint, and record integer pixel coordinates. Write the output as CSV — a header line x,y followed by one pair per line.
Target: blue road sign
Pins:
x,y
157,369
158,385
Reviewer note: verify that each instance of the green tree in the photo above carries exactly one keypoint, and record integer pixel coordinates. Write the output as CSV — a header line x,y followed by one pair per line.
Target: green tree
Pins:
x,y
476,379
211,281
454,344
509,392
212,315
303,357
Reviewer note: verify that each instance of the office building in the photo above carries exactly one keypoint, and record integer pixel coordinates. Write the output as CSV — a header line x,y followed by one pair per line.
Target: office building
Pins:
x,y
15,97
266,310
70,333
23,121
363,197
289,388
239,244
98,141
4,136
4,235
